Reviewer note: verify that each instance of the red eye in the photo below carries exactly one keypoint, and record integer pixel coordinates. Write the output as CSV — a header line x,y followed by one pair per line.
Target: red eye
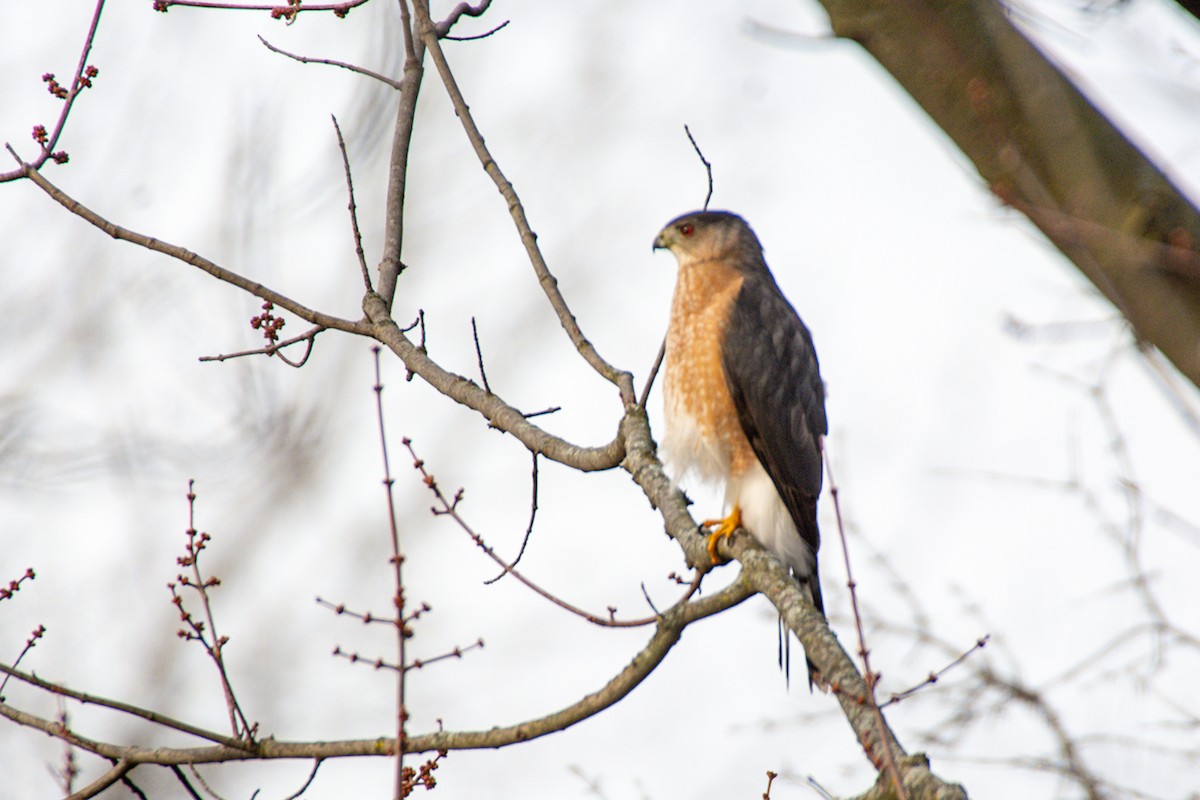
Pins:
x,y
686,230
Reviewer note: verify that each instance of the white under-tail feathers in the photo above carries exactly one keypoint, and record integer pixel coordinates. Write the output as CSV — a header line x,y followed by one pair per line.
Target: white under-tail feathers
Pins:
x,y
764,514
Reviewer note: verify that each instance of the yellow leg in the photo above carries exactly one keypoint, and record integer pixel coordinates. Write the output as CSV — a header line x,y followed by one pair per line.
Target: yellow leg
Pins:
x,y
724,528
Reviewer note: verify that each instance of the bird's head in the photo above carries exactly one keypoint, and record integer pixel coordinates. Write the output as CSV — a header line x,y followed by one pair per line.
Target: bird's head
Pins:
x,y
709,235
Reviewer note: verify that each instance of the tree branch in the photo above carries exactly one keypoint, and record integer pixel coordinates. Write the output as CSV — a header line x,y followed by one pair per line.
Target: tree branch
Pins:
x,y
188,257
668,632
503,416
330,62
622,379
391,264
119,770
1043,147
78,84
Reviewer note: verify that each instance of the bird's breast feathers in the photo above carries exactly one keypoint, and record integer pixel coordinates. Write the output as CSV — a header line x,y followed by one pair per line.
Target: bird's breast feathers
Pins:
x,y
704,434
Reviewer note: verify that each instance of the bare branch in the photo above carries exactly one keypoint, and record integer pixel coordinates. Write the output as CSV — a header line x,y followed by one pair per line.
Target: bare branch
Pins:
x,y
449,507
670,628
391,264
478,36
81,80
490,406
213,642
704,161
124,708
533,509
316,766
30,643
119,770
188,257
479,357
658,360
358,246
286,12
330,62
459,11
309,337
623,380
888,756
934,677
398,598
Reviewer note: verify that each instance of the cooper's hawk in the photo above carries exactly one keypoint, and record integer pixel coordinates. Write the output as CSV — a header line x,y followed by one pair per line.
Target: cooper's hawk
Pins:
x,y
744,400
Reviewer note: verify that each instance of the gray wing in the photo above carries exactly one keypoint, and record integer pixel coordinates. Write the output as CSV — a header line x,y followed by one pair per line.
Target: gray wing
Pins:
x,y
771,367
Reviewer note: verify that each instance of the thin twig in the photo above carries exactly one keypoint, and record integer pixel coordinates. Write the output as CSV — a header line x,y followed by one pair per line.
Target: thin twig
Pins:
x,y
316,766
78,84
215,649
286,12
449,507
131,786
658,360
477,36
358,246
934,677
30,643
397,560
118,772
479,357
273,349
457,652
533,509
330,62
191,790
704,161
869,677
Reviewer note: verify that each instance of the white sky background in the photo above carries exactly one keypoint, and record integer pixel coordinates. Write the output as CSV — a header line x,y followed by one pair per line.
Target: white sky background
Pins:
x,y
902,265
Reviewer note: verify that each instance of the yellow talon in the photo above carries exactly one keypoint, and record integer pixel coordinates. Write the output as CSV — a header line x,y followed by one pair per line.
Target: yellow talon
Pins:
x,y
724,528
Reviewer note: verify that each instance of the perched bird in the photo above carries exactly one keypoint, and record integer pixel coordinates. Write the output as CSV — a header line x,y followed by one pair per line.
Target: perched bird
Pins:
x,y
745,405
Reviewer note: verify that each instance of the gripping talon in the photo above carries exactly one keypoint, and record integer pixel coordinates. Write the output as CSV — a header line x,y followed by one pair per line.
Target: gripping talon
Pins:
x,y
724,529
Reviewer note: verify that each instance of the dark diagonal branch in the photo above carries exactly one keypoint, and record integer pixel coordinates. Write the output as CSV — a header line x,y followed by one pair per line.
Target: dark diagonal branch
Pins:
x,y
533,509
658,360
478,36
707,164
119,770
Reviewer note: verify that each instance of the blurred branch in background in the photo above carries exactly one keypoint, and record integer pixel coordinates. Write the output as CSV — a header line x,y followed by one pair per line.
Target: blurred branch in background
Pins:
x,y
1045,150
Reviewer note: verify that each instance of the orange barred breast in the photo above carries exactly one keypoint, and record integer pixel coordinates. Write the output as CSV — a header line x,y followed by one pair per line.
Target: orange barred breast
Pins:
x,y
698,403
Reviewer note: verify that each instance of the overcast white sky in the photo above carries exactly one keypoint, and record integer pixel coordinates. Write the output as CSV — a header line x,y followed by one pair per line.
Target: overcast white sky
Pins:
x,y
952,438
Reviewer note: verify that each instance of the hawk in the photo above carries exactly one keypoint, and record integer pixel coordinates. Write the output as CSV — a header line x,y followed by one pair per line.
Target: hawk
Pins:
x,y
745,405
